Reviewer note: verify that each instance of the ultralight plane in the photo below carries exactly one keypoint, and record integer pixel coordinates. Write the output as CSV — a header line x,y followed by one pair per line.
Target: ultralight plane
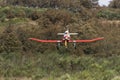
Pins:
x,y
67,39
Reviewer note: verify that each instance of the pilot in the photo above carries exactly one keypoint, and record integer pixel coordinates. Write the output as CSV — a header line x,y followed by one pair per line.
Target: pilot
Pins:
x,y
66,35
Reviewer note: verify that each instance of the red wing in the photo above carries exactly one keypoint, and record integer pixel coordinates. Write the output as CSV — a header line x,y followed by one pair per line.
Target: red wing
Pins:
x,y
87,41
45,41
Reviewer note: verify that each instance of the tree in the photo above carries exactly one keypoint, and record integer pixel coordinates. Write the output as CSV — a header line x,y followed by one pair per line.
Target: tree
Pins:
x,y
94,3
86,3
66,4
115,4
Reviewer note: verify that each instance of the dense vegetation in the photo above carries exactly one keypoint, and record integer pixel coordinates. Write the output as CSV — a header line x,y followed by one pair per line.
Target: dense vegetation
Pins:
x,y
52,3
115,4
54,66
20,57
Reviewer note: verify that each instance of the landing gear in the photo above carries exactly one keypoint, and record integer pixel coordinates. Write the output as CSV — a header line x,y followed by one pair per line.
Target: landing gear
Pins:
x,y
58,46
74,45
66,44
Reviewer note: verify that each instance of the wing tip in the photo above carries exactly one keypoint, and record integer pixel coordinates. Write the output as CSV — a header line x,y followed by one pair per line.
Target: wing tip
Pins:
x,y
31,38
101,38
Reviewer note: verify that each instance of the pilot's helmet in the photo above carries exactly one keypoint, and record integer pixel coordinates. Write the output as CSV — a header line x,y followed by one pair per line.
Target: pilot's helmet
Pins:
x,y
66,32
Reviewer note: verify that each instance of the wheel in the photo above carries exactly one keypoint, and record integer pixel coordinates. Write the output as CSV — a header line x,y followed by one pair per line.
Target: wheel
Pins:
x,y
74,46
58,46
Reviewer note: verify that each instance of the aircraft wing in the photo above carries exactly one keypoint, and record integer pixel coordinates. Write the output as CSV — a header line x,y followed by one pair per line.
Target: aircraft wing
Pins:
x,y
45,41
87,41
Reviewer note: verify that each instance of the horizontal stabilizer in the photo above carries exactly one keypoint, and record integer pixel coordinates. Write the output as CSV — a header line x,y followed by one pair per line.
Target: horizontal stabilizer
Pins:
x,y
74,34
61,34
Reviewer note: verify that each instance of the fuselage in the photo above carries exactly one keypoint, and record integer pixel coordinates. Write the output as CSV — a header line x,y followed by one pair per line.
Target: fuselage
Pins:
x,y
66,35
66,38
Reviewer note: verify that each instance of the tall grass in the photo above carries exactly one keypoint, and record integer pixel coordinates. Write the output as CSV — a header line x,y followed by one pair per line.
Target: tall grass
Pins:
x,y
59,66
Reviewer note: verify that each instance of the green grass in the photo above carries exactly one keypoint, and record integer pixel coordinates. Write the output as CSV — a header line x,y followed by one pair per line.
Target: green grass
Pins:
x,y
52,66
13,21
109,14
17,14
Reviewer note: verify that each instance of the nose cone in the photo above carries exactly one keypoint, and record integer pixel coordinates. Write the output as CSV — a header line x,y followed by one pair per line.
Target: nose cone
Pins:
x,y
66,38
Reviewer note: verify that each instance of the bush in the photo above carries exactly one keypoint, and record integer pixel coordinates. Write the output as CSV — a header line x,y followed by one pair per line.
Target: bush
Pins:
x,y
58,16
109,14
115,4
9,41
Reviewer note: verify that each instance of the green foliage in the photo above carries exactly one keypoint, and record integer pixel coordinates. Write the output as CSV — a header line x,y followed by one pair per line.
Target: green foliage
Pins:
x,y
110,44
46,23
115,4
46,26
86,3
9,41
61,67
20,57
109,14
9,12
52,16
52,3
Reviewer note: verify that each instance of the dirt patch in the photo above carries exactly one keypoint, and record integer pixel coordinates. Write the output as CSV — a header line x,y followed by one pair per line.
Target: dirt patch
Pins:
x,y
34,23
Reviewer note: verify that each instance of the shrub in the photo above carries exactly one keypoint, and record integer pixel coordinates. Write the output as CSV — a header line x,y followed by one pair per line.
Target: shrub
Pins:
x,y
9,41
108,14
